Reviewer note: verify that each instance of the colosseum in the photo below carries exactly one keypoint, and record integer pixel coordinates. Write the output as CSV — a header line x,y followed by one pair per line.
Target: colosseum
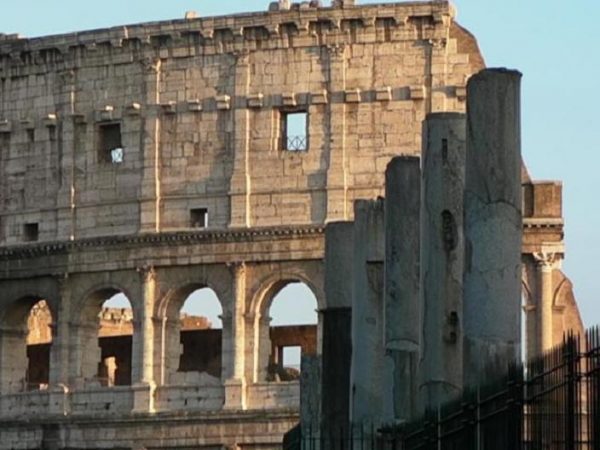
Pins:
x,y
157,159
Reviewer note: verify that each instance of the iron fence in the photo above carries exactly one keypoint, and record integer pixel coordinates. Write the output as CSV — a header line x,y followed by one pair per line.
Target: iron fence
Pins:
x,y
550,403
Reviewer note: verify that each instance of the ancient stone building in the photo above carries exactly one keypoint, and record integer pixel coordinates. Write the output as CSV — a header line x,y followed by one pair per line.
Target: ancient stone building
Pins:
x,y
156,159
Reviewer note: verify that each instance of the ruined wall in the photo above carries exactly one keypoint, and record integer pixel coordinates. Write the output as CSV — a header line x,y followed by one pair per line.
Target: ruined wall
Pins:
x,y
199,108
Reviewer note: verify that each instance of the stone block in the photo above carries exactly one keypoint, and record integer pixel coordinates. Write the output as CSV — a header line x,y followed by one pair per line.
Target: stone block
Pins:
x,y
255,100
223,102
352,96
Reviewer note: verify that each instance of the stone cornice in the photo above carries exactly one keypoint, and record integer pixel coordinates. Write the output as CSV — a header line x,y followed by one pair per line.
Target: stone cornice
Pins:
x,y
543,222
239,29
166,238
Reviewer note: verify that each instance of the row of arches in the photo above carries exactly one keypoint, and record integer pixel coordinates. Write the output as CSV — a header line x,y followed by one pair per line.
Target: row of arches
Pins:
x,y
193,331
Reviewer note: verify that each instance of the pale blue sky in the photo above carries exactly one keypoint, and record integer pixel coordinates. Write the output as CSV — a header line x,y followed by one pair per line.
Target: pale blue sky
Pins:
x,y
554,43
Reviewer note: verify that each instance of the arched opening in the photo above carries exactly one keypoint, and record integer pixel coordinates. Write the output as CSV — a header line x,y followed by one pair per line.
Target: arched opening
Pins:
x,y
39,341
105,336
25,341
195,337
292,329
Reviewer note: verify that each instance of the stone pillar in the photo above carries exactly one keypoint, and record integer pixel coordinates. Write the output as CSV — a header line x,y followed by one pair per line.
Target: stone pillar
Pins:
x,y
337,327
144,384
401,311
493,225
310,392
546,263
335,123
366,375
13,358
240,122
235,384
59,351
442,257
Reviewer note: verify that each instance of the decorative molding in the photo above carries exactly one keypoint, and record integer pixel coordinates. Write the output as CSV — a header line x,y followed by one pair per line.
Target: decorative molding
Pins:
x,y
383,94
255,100
167,238
194,105
417,92
223,102
319,98
352,95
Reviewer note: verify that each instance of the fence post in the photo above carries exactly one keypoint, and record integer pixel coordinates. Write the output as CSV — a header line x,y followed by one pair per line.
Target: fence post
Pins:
x,y
571,412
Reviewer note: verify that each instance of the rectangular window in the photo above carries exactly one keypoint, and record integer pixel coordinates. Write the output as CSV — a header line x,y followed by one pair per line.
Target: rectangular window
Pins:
x,y
294,127
292,357
199,218
110,148
31,232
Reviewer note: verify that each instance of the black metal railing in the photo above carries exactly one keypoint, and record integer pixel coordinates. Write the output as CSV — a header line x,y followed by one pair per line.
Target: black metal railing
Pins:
x,y
550,403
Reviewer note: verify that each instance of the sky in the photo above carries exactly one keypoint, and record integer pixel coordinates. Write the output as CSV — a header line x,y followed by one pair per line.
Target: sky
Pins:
x,y
553,43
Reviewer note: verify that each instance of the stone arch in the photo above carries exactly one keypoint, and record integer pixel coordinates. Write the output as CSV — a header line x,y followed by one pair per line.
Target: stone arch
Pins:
x,y
172,344
266,288
264,291
101,360
14,355
16,304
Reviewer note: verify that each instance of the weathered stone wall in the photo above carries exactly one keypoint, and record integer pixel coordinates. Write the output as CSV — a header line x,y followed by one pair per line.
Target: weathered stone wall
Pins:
x,y
200,104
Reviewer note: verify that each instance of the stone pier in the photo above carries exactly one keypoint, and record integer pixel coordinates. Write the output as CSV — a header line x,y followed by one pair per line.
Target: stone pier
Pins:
x,y
337,326
493,224
442,257
401,285
367,313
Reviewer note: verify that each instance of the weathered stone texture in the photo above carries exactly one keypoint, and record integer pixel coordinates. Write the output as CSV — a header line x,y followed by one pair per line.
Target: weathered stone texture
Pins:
x,y
198,107
492,225
193,137
442,257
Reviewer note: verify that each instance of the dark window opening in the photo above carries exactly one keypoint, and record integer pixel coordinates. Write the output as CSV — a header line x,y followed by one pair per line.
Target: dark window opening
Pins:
x,y
31,232
110,148
31,135
199,218
294,126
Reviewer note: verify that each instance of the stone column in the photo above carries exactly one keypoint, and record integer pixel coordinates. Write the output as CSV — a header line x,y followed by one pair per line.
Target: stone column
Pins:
x,y
337,327
144,384
235,384
546,263
367,313
401,306
493,225
442,256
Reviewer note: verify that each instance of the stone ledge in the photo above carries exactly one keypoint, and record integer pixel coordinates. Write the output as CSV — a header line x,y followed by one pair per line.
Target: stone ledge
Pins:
x,y
236,235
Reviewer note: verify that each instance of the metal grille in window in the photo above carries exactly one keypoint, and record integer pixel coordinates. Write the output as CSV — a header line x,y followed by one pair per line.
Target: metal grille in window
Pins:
x,y
116,155
110,146
295,131
296,143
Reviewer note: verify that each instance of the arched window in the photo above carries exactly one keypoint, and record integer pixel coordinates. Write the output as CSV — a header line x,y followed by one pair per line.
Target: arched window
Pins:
x,y
105,339
39,341
115,340
25,341
292,330
194,337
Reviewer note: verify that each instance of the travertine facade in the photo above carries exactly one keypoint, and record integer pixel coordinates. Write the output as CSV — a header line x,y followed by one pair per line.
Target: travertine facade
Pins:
x,y
117,145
